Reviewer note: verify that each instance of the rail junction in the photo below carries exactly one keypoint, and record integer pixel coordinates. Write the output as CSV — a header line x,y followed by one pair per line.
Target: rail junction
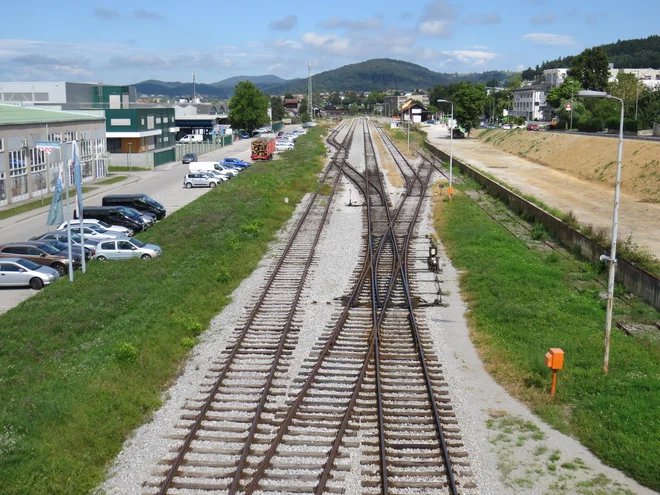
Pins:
x,y
371,389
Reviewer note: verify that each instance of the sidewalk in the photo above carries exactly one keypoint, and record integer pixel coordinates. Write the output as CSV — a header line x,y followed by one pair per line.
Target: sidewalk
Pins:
x,y
592,203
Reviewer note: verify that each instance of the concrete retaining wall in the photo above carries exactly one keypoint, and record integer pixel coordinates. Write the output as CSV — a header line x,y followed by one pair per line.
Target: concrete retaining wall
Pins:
x,y
656,130
635,279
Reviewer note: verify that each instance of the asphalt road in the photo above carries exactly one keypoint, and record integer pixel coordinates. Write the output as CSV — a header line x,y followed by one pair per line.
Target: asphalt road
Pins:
x,y
164,184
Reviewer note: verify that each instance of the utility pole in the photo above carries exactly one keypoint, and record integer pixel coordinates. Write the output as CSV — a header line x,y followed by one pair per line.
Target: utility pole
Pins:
x,y
193,100
310,108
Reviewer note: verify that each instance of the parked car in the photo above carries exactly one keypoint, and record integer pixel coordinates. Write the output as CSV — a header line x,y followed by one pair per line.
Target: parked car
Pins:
x,y
192,138
93,221
283,147
94,232
456,133
189,157
19,272
532,127
40,253
199,179
126,248
506,126
146,216
245,135
430,121
61,236
217,174
299,132
233,171
280,133
114,215
76,250
234,162
139,202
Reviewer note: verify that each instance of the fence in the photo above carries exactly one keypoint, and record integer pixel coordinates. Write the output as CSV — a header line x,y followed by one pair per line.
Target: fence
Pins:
x,y
635,279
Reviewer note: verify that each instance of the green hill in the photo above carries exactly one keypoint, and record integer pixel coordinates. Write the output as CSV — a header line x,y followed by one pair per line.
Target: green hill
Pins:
x,y
377,74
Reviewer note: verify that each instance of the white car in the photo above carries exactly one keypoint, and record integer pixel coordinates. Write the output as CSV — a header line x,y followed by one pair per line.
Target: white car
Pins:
x,y
19,272
93,221
283,147
94,232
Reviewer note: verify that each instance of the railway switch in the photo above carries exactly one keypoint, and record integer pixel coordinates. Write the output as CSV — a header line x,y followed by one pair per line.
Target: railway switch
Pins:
x,y
555,361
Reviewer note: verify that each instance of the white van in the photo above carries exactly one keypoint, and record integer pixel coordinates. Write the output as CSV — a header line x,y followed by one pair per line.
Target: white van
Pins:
x,y
192,138
194,167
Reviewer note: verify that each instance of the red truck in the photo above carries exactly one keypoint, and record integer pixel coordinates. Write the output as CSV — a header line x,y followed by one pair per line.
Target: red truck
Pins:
x,y
263,149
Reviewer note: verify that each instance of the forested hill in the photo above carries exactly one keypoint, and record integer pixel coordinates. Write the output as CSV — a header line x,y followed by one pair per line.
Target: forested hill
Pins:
x,y
376,74
626,54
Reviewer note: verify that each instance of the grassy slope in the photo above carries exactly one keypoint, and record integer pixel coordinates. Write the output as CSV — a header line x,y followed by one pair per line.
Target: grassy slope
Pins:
x,y
68,394
523,303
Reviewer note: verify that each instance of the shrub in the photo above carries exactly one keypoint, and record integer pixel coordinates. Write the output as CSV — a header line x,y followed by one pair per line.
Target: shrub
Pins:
x,y
592,125
552,258
125,352
631,125
187,342
612,123
571,219
538,232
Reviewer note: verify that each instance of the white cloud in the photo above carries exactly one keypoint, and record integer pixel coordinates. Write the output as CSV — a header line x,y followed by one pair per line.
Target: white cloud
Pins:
x,y
520,68
327,42
440,29
471,57
480,47
487,18
285,24
339,23
549,39
273,67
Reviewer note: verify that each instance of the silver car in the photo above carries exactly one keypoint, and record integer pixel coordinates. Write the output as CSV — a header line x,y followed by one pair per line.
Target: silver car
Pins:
x,y
126,248
18,272
93,221
198,179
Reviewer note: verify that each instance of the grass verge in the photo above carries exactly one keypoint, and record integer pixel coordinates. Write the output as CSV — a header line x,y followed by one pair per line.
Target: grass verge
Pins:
x,y
33,205
112,180
524,301
83,364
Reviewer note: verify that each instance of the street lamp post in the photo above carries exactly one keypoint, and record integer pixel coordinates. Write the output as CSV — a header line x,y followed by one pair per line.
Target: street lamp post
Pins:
x,y
450,191
611,259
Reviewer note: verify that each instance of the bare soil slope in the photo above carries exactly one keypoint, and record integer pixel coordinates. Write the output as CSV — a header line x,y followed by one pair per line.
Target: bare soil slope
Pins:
x,y
590,158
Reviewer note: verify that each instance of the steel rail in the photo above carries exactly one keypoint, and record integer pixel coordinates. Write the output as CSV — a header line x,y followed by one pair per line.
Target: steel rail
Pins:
x,y
216,386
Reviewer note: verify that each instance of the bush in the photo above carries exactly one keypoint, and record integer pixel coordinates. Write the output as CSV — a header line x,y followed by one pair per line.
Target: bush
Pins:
x,y
125,352
632,125
612,123
187,342
592,125
538,232
522,121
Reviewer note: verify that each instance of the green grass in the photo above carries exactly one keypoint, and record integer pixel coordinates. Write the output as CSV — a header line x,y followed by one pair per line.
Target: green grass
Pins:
x,y
83,364
111,180
127,169
521,305
33,205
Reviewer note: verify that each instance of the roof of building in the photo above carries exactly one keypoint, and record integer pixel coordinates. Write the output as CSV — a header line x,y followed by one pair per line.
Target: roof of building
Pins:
x,y
14,114
411,103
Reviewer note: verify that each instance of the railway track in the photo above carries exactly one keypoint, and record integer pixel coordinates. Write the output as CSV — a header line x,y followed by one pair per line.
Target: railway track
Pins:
x,y
371,389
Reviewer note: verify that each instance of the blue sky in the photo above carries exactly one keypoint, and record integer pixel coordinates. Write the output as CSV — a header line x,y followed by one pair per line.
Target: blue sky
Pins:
x,y
126,42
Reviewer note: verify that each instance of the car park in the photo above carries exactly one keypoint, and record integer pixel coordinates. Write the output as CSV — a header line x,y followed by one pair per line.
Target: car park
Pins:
x,y
61,235
76,251
19,272
40,253
140,202
532,127
189,157
234,162
126,248
114,215
93,221
199,179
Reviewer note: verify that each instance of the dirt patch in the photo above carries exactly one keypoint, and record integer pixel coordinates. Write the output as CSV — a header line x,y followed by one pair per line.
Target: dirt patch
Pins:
x,y
587,157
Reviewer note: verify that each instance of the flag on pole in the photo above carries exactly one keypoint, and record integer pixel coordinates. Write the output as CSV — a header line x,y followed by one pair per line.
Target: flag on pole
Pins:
x,y
77,177
56,214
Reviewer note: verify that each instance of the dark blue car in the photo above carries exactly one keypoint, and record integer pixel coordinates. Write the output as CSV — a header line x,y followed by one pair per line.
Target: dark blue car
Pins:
x,y
234,162
245,135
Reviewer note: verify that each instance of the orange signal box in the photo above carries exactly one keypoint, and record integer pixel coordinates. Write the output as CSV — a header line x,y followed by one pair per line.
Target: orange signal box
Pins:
x,y
450,190
555,358
555,361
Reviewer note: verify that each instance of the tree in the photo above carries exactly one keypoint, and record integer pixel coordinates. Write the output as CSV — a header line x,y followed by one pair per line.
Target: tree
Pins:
x,y
629,89
514,82
335,99
469,102
566,91
248,108
492,83
277,108
591,69
288,96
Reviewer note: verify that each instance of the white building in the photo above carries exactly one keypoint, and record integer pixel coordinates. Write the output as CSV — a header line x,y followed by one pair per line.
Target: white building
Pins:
x,y
554,77
529,102
650,77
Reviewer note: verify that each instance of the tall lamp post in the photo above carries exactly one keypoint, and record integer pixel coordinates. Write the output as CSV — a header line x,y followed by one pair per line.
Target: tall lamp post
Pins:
x,y
450,191
611,259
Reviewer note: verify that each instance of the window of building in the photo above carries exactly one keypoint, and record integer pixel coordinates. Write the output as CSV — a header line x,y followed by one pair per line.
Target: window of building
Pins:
x,y
150,122
158,120
2,144
114,145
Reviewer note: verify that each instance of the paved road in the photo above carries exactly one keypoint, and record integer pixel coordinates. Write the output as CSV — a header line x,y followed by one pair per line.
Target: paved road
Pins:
x,y
164,184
